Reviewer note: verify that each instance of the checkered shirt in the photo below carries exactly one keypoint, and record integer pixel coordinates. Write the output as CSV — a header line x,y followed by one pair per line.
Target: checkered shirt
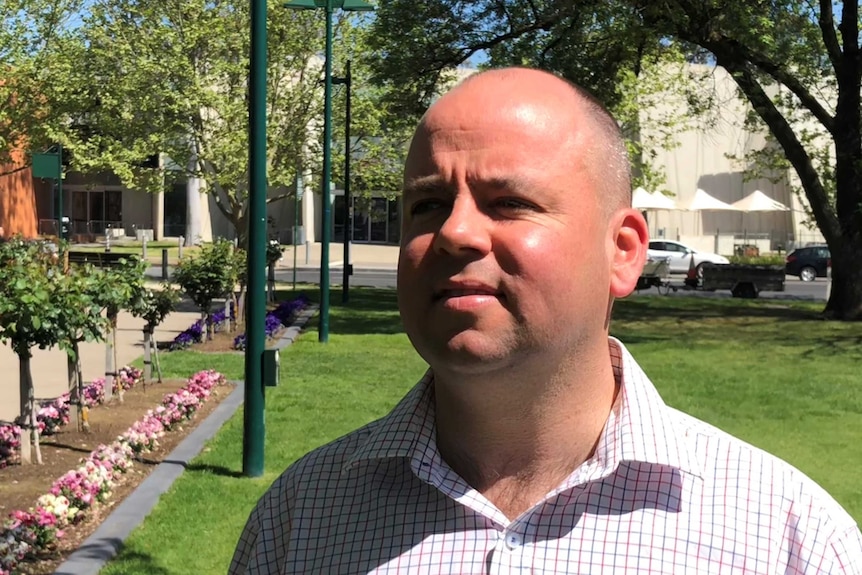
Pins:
x,y
663,493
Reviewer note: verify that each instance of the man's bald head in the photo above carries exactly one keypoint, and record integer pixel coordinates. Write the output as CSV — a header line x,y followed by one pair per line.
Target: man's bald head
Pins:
x,y
599,145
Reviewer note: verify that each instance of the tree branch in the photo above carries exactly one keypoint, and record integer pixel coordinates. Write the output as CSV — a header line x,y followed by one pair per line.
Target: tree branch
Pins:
x,y
733,51
818,199
850,31
827,30
285,195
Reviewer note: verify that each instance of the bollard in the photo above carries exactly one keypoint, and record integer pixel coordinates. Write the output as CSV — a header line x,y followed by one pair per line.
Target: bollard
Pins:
x,y
307,251
165,265
107,240
144,247
181,242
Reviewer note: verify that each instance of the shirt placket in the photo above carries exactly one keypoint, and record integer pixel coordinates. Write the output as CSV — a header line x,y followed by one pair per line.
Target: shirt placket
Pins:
x,y
511,553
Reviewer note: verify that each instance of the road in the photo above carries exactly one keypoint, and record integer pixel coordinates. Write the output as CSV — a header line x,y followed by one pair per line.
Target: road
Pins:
x,y
794,288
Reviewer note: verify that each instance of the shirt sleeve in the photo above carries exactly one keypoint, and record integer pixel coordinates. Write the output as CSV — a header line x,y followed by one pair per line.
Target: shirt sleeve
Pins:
x,y
262,546
242,556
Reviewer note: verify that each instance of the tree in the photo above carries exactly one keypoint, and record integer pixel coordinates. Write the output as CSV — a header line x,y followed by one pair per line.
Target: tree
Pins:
x,y
208,275
596,44
29,317
77,299
31,33
117,290
177,85
153,306
798,69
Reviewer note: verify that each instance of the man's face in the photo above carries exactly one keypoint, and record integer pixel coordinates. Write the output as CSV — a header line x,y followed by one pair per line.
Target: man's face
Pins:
x,y
504,249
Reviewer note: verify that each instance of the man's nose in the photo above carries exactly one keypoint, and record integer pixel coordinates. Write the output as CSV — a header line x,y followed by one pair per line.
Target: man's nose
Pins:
x,y
465,229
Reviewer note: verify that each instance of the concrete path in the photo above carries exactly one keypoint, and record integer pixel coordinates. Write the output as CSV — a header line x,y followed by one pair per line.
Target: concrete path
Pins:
x,y
49,366
365,256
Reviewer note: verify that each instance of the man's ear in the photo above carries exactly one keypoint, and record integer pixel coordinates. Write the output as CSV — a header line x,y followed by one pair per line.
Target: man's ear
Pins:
x,y
629,244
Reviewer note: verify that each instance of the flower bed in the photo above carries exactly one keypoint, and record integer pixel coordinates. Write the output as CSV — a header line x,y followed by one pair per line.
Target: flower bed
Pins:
x,y
277,319
55,413
195,332
27,533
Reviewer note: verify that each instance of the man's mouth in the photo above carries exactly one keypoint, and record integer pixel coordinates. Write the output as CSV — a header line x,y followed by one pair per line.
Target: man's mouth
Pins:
x,y
466,289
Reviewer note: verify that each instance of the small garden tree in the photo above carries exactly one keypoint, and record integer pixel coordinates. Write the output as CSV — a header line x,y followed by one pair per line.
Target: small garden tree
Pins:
x,y
80,319
153,306
206,276
118,289
29,317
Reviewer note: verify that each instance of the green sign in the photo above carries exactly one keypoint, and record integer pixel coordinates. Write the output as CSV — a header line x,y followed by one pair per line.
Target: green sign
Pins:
x,y
46,166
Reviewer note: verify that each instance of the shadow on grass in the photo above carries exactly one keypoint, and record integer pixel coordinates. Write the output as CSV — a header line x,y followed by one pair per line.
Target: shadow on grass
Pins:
x,y
753,323
105,549
369,311
206,468
645,309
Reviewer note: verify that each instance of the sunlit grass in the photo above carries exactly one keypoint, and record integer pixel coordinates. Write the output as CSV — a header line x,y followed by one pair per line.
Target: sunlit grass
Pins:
x,y
773,374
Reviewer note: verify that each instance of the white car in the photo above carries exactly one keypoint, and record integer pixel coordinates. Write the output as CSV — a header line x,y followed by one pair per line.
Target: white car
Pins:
x,y
679,256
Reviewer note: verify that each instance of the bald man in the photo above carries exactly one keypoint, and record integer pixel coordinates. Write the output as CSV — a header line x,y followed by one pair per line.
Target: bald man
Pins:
x,y
534,443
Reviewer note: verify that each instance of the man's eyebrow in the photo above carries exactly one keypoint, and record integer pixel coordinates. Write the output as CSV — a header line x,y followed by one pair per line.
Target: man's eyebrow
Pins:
x,y
425,185
515,183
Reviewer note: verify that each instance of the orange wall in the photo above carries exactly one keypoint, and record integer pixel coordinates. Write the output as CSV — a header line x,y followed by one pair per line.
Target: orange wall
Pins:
x,y
17,200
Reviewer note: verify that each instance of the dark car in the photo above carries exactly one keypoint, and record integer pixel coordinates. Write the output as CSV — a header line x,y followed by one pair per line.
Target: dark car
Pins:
x,y
808,263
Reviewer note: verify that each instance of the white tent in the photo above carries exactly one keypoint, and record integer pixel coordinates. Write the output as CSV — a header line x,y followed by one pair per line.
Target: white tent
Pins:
x,y
757,201
643,200
701,201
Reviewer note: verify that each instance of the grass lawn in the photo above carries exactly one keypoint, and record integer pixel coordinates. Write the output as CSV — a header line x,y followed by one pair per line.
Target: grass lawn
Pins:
x,y
771,373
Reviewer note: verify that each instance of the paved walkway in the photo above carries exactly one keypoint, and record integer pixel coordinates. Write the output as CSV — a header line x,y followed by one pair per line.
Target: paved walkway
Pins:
x,y
365,256
49,366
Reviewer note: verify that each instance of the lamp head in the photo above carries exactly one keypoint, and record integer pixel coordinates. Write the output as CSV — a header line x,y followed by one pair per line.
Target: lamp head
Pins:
x,y
348,5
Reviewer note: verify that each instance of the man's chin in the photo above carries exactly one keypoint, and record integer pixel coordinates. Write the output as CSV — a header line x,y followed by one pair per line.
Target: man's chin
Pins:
x,y
469,354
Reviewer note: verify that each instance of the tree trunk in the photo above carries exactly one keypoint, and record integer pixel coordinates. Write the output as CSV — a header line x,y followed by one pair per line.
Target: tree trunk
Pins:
x,y
74,396
120,391
236,311
158,363
110,367
34,425
845,298
25,394
227,312
85,409
148,365
240,304
205,318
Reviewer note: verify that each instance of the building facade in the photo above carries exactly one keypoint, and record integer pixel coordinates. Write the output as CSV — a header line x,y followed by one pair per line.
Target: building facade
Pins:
x,y
98,205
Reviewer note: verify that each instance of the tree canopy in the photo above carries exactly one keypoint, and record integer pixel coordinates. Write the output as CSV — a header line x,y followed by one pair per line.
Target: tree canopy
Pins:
x,y
797,64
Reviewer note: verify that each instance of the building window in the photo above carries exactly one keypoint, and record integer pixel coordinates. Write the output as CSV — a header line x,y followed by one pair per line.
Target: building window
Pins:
x,y
375,220
176,202
94,211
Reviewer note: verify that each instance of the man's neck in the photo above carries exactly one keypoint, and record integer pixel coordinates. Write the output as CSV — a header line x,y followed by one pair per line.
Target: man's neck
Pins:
x,y
517,435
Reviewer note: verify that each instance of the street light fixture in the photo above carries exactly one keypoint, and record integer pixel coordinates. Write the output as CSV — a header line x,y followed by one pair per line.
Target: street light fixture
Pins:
x,y
329,6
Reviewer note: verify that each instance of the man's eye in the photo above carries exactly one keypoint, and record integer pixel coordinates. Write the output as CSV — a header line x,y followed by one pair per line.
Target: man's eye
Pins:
x,y
424,206
514,204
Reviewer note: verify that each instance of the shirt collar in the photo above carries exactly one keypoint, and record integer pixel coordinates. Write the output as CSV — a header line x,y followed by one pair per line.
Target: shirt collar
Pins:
x,y
408,425
640,428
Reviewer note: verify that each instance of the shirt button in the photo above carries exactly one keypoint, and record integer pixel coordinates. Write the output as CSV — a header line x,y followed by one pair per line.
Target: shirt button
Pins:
x,y
513,540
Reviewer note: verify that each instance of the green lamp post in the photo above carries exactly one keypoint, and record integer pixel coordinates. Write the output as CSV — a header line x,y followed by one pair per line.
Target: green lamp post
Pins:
x,y
329,6
253,407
